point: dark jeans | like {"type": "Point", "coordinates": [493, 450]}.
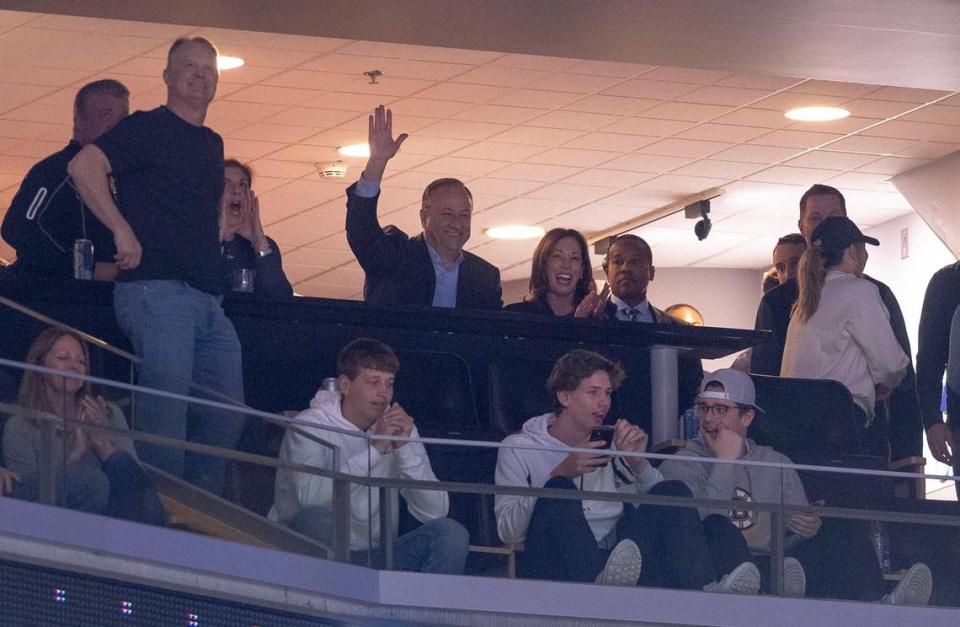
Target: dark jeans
{"type": "Point", "coordinates": [560, 545]}
{"type": "Point", "coordinates": [839, 561]}
{"type": "Point", "coordinates": [132, 495]}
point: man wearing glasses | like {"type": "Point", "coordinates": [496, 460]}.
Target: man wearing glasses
{"type": "Point", "coordinates": [835, 559]}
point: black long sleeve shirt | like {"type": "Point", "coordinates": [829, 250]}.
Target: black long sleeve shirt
{"type": "Point", "coordinates": [933, 343]}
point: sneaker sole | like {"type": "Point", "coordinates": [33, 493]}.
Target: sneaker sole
{"type": "Point", "coordinates": [794, 578]}
{"type": "Point", "coordinates": [915, 587]}
{"type": "Point", "coordinates": [623, 566]}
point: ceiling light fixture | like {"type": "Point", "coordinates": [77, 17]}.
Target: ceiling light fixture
{"type": "Point", "coordinates": [225, 62]}
{"type": "Point", "coordinates": [816, 114]}
{"type": "Point", "coordinates": [515, 231]}
{"type": "Point", "coordinates": [354, 150]}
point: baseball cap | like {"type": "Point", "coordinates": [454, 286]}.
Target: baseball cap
{"type": "Point", "coordinates": [737, 387]}
{"type": "Point", "coordinates": [838, 232]}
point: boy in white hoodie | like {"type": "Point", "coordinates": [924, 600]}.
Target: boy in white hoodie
{"type": "Point", "coordinates": [366, 370]}
{"type": "Point", "coordinates": [571, 540]}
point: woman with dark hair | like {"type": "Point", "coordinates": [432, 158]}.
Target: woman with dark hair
{"type": "Point", "coordinates": [840, 328]}
{"type": "Point", "coordinates": [243, 243]}
{"type": "Point", "coordinates": [560, 277]}
{"type": "Point", "coordinates": [96, 472]}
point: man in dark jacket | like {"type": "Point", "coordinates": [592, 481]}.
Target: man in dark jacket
{"type": "Point", "coordinates": [899, 416]}
{"type": "Point", "coordinates": [47, 215]}
{"type": "Point", "coordinates": [431, 268]}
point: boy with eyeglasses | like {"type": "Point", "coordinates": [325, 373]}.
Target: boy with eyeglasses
{"type": "Point", "coordinates": [835, 559]}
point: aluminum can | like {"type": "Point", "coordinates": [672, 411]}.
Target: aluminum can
{"type": "Point", "coordinates": [331, 384]}
{"type": "Point", "coordinates": [689, 424]}
{"type": "Point", "coordinates": [83, 259]}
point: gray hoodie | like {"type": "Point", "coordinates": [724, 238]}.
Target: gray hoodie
{"type": "Point", "coordinates": [735, 482]}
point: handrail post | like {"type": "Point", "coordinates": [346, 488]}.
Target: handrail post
{"type": "Point", "coordinates": [47, 481]}
{"type": "Point", "coordinates": [777, 531]}
{"type": "Point", "coordinates": [341, 519]}
{"type": "Point", "coordinates": [389, 503]}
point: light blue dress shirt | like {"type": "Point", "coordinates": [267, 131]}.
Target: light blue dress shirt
{"type": "Point", "coordinates": [644, 313]}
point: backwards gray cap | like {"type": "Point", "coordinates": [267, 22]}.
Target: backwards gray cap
{"type": "Point", "coordinates": [737, 387]}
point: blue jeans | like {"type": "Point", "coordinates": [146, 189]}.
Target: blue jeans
{"type": "Point", "coordinates": [182, 335]}
{"type": "Point", "coordinates": [436, 546]}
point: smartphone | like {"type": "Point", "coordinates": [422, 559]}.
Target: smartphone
{"type": "Point", "coordinates": [603, 433]}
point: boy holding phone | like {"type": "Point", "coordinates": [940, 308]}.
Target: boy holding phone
{"type": "Point", "coordinates": [601, 541]}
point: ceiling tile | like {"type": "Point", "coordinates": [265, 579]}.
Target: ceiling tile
{"type": "Point", "coordinates": [684, 148]}
{"type": "Point", "coordinates": [273, 95]}
{"type": "Point", "coordinates": [749, 80]}
{"type": "Point", "coordinates": [877, 109]}
{"type": "Point", "coordinates": [50, 77]}
{"type": "Point", "coordinates": [575, 83]}
{"type": "Point", "coordinates": [362, 103]}
{"type": "Point", "coordinates": [247, 150]}
{"type": "Point", "coordinates": [617, 142]}
{"type": "Point", "coordinates": [830, 160]}
{"type": "Point", "coordinates": [498, 150]}
{"type": "Point", "coordinates": [845, 126]}
{"type": "Point", "coordinates": [613, 179]}
{"type": "Point", "coordinates": [723, 133]}
{"type": "Point", "coordinates": [355, 65]}
{"type": "Point", "coordinates": [283, 133]}
{"type": "Point", "coordinates": [686, 75]}
{"type": "Point", "coordinates": [792, 176]}
{"type": "Point", "coordinates": [575, 193]}
{"type": "Point", "coordinates": [614, 105]}
{"type": "Point", "coordinates": [891, 166]}
{"type": "Point", "coordinates": [461, 129]}
{"type": "Point", "coordinates": [463, 92]}
{"type": "Point", "coordinates": [502, 187]}
{"type": "Point", "coordinates": [271, 40]}
{"type": "Point", "coordinates": [296, 198]}
{"type": "Point", "coordinates": [499, 75]}
{"type": "Point", "coordinates": [683, 185]}
{"type": "Point", "coordinates": [498, 114]}
{"type": "Point", "coordinates": [35, 149]}
{"type": "Point", "coordinates": [422, 53]}
{"type": "Point", "coordinates": [609, 68]}
{"type": "Point", "coordinates": [536, 172]}
{"type": "Point", "coordinates": [575, 120]}
{"type": "Point", "coordinates": [648, 126]}
{"type": "Point", "coordinates": [873, 145]}
{"type": "Point", "coordinates": [861, 180]}
{"type": "Point", "coordinates": [537, 97]}
{"type": "Point", "coordinates": [728, 96]}
{"type": "Point", "coordinates": [689, 112]}
{"type": "Point", "coordinates": [916, 130]}
{"type": "Point", "coordinates": [791, 100]}
{"type": "Point", "coordinates": [937, 114]}
{"type": "Point", "coordinates": [409, 179]}
{"type": "Point", "coordinates": [311, 117]}
{"type": "Point", "coordinates": [905, 94]}
{"type": "Point", "coordinates": [719, 169]}
{"type": "Point", "coordinates": [460, 167]}
{"type": "Point", "coordinates": [574, 157]}
{"type": "Point", "coordinates": [408, 124]}
{"type": "Point", "coordinates": [427, 108]}
{"type": "Point", "coordinates": [33, 130]}
{"type": "Point", "coordinates": [795, 139]}
{"type": "Point", "coordinates": [835, 88]}
{"type": "Point", "coordinates": [299, 78]}
{"type": "Point", "coordinates": [245, 111]}
{"type": "Point", "coordinates": [929, 150]}
{"type": "Point", "coordinates": [536, 136]}
{"type": "Point", "coordinates": [646, 88]}
{"type": "Point", "coordinates": [283, 169]}
{"type": "Point", "coordinates": [534, 62]}
{"type": "Point", "coordinates": [654, 164]}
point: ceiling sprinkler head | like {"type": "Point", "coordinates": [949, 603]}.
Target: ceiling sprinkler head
{"type": "Point", "coordinates": [373, 75]}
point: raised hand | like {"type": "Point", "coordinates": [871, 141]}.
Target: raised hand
{"type": "Point", "coordinates": [382, 144]}
{"type": "Point", "coordinates": [400, 421]}
{"type": "Point", "coordinates": [593, 304]}
{"type": "Point", "coordinates": [726, 444]}
{"type": "Point", "coordinates": [95, 411]}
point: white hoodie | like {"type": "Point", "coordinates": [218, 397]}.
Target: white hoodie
{"type": "Point", "coordinates": [298, 490]}
{"type": "Point", "coordinates": [531, 468]}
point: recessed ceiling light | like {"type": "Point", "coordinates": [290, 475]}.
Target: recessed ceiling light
{"type": "Point", "coordinates": [816, 114]}
{"type": "Point", "coordinates": [514, 231]}
{"type": "Point", "coordinates": [225, 62]}
{"type": "Point", "coordinates": [354, 150]}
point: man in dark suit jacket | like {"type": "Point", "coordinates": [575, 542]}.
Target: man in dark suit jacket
{"type": "Point", "coordinates": [629, 267]}
{"type": "Point", "coordinates": [903, 427]}
{"type": "Point", "coordinates": [431, 268]}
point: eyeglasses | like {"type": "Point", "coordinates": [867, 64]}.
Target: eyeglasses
{"type": "Point", "coordinates": [718, 410]}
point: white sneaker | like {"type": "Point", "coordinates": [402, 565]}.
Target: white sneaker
{"type": "Point", "coordinates": [794, 578]}
{"type": "Point", "coordinates": [623, 565]}
{"type": "Point", "coordinates": [914, 588]}
{"type": "Point", "coordinates": [744, 579]}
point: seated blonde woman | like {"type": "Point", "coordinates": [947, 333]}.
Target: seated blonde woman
{"type": "Point", "coordinates": [96, 472]}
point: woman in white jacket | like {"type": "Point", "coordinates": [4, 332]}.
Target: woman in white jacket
{"type": "Point", "coordinates": [572, 540]}
{"type": "Point", "coordinates": [840, 328]}
{"type": "Point", "coordinates": [363, 407]}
